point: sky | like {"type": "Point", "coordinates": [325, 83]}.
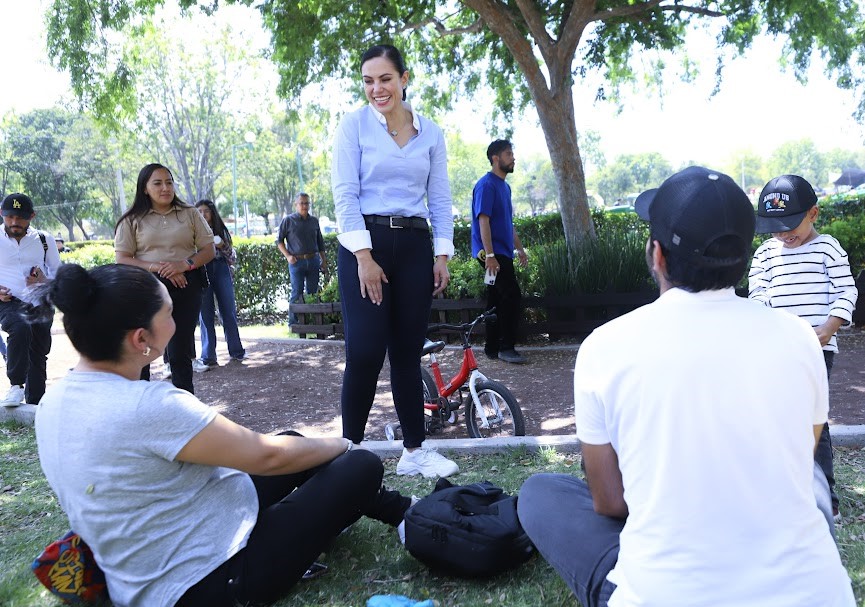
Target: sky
{"type": "Point", "coordinates": [758, 108]}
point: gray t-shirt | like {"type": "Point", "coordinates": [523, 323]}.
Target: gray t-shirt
{"type": "Point", "coordinates": [156, 526]}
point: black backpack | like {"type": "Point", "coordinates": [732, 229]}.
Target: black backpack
{"type": "Point", "coordinates": [467, 531]}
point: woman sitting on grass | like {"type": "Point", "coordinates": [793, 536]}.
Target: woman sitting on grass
{"type": "Point", "coordinates": [180, 505]}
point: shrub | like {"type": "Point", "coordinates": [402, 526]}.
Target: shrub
{"type": "Point", "coordinates": [533, 231]}
{"type": "Point", "coordinates": [596, 266]}
{"type": "Point", "coordinates": [261, 278]}
{"type": "Point", "coordinates": [92, 255]}
{"type": "Point", "coordinates": [851, 234]}
{"type": "Point", "coordinates": [467, 278]}
{"type": "Point", "coordinates": [614, 261]}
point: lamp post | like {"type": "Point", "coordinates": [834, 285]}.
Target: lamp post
{"type": "Point", "coordinates": [249, 139]}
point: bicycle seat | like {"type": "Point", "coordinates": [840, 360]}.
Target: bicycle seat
{"type": "Point", "coordinates": [430, 347]}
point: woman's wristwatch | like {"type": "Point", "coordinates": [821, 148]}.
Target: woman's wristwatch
{"type": "Point", "coordinates": [190, 263]}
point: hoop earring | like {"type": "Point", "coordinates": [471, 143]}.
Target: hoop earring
{"type": "Point", "coordinates": [146, 351]}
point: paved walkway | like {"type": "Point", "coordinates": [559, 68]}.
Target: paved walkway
{"type": "Point", "coordinates": [851, 436]}
{"type": "Point", "coordinates": [842, 436]}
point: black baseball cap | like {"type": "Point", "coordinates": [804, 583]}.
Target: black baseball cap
{"type": "Point", "coordinates": [783, 204]}
{"type": "Point", "coordinates": [17, 204]}
{"type": "Point", "coordinates": [694, 208]}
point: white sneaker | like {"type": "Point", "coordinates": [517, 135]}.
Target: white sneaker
{"type": "Point", "coordinates": [427, 462]}
{"type": "Point", "coordinates": [201, 367]}
{"type": "Point", "coordinates": [400, 530]}
{"type": "Point", "coordinates": [14, 397]}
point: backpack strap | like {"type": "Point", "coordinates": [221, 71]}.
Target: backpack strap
{"type": "Point", "coordinates": [477, 498]}
{"type": "Point", "coordinates": [44, 247]}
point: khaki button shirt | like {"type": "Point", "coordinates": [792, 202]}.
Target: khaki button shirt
{"type": "Point", "coordinates": [178, 235]}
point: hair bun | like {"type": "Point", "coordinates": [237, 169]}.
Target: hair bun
{"type": "Point", "coordinates": [73, 289]}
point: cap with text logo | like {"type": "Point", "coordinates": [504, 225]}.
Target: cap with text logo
{"type": "Point", "coordinates": [17, 204]}
{"type": "Point", "coordinates": [783, 204]}
{"type": "Point", "coordinates": [693, 209]}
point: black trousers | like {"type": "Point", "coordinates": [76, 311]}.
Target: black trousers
{"type": "Point", "coordinates": [506, 297]}
{"type": "Point", "coordinates": [299, 516]}
{"type": "Point", "coordinates": [396, 327]}
{"type": "Point", "coordinates": [181, 348]}
{"type": "Point", "coordinates": [26, 350]}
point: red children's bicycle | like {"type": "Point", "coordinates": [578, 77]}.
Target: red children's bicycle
{"type": "Point", "coordinates": [490, 408]}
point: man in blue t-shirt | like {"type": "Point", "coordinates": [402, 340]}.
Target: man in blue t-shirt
{"type": "Point", "coordinates": [494, 239]}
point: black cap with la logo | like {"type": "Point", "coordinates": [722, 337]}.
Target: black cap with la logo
{"type": "Point", "coordinates": [17, 204]}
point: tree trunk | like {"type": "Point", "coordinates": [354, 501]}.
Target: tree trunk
{"type": "Point", "coordinates": [80, 223]}
{"type": "Point", "coordinates": [556, 113]}
{"type": "Point", "coordinates": [266, 218]}
{"type": "Point", "coordinates": [552, 95]}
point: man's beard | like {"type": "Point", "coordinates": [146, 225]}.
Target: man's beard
{"type": "Point", "coordinates": [19, 231]}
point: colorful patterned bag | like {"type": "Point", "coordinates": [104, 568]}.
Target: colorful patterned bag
{"type": "Point", "coordinates": [69, 570]}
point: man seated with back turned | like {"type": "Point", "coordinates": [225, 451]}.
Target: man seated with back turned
{"type": "Point", "coordinates": [698, 452]}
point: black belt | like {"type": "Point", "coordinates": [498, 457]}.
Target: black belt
{"type": "Point", "coordinates": [418, 223]}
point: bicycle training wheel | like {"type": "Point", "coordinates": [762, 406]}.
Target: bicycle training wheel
{"type": "Point", "coordinates": [504, 416]}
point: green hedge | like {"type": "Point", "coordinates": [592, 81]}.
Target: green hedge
{"type": "Point", "coordinates": [613, 262]}
{"type": "Point", "coordinates": [843, 216]}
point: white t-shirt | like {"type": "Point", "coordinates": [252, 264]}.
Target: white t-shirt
{"type": "Point", "coordinates": [156, 526]}
{"type": "Point", "coordinates": [709, 402]}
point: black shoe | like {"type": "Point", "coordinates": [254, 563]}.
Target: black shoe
{"type": "Point", "coordinates": [512, 356]}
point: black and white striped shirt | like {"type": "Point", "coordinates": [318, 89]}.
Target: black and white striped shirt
{"type": "Point", "coordinates": [812, 281]}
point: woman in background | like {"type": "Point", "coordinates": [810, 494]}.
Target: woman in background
{"type": "Point", "coordinates": [162, 234]}
{"type": "Point", "coordinates": [220, 273]}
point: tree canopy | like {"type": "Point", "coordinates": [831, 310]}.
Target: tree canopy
{"type": "Point", "coordinates": [524, 51]}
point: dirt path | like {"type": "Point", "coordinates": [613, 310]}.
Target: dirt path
{"type": "Point", "coordinates": [297, 386]}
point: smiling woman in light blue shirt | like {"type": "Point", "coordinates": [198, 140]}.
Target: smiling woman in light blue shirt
{"type": "Point", "coordinates": [390, 183]}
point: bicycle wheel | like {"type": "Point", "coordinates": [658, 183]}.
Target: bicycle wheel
{"type": "Point", "coordinates": [504, 416]}
{"type": "Point", "coordinates": [430, 391]}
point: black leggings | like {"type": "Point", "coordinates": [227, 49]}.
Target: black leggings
{"type": "Point", "coordinates": [299, 516]}
{"type": "Point", "coordinates": [396, 327]}
{"type": "Point", "coordinates": [181, 348]}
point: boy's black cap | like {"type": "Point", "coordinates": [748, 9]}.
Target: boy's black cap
{"type": "Point", "coordinates": [783, 203]}
{"type": "Point", "coordinates": [17, 204]}
{"type": "Point", "coordinates": [695, 207]}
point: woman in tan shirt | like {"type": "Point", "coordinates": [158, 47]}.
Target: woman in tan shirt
{"type": "Point", "coordinates": [165, 236]}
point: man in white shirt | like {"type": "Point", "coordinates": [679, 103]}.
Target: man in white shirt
{"type": "Point", "coordinates": [26, 259]}
{"type": "Point", "coordinates": [701, 488]}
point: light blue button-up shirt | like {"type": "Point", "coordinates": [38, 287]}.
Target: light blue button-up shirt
{"type": "Point", "coordinates": [372, 175]}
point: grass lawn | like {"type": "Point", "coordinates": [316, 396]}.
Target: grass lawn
{"type": "Point", "coordinates": [369, 560]}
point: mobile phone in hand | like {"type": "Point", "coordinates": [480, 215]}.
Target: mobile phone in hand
{"type": "Point", "coordinates": [315, 570]}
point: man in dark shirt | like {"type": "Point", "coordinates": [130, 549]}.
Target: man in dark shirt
{"type": "Point", "coordinates": [302, 244]}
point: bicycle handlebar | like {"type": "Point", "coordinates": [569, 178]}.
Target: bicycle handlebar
{"type": "Point", "coordinates": [462, 328]}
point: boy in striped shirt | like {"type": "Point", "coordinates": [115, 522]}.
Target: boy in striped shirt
{"type": "Point", "coordinates": [805, 273]}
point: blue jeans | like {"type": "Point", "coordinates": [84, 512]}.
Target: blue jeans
{"type": "Point", "coordinates": [222, 287]}
{"type": "Point", "coordinates": [557, 513]}
{"type": "Point", "coordinates": [303, 271]}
